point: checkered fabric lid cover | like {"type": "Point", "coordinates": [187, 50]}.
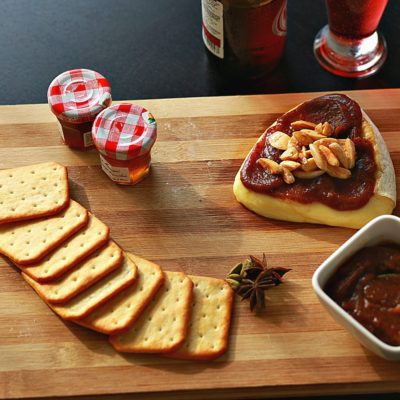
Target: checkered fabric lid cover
{"type": "Point", "coordinates": [124, 131]}
{"type": "Point", "coordinates": [78, 95]}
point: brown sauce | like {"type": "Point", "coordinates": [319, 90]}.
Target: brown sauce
{"type": "Point", "coordinates": [367, 287]}
{"type": "Point", "coordinates": [345, 117]}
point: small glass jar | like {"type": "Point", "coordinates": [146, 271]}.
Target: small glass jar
{"type": "Point", "coordinates": [124, 135]}
{"type": "Point", "coordinates": [76, 97]}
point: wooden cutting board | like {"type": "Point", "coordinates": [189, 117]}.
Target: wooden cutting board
{"type": "Point", "coordinates": [184, 217]}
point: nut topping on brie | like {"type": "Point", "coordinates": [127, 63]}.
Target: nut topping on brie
{"type": "Point", "coordinates": [303, 125]}
{"type": "Point", "coordinates": [310, 152]}
{"type": "Point", "coordinates": [270, 165]}
{"type": "Point", "coordinates": [279, 140]}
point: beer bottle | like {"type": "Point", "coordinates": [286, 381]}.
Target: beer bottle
{"type": "Point", "coordinates": [245, 38]}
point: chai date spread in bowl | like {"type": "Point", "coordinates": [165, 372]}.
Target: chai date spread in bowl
{"type": "Point", "coordinates": [367, 286]}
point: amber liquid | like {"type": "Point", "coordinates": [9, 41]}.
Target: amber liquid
{"type": "Point", "coordinates": [354, 19]}
{"type": "Point", "coordinates": [138, 167]}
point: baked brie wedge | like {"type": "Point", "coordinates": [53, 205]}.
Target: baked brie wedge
{"type": "Point", "coordinates": [323, 162]}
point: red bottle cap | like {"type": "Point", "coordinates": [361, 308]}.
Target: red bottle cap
{"type": "Point", "coordinates": [78, 95]}
{"type": "Point", "coordinates": [124, 131]}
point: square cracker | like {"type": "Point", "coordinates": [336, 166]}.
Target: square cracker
{"type": "Point", "coordinates": [72, 251]}
{"type": "Point", "coordinates": [27, 242]}
{"type": "Point", "coordinates": [121, 312]}
{"type": "Point", "coordinates": [209, 322]}
{"type": "Point", "coordinates": [99, 293]}
{"type": "Point", "coordinates": [83, 275]}
{"type": "Point", "coordinates": [32, 191]}
{"type": "Point", "coordinates": [163, 325]}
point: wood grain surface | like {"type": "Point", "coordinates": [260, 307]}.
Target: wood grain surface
{"type": "Point", "coordinates": [184, 217]}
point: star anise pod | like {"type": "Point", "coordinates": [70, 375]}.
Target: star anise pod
{"type": "Point", "coordinates": [251, 278]}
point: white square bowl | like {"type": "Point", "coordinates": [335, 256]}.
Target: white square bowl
{"type": "Point", "coordinates": [382, 229]}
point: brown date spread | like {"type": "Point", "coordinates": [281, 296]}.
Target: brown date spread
{"type": "Point", "coordinates": [367, 287]}
{"type": "Point", "coordinates": [345, 117]}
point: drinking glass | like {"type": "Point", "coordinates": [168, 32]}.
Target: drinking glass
{"type": "Point", "coordinates": [350, 44]}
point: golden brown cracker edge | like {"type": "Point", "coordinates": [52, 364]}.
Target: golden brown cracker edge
{"type": "Point", "coordinates": [91, 270]}
{"type": "Point", "coordinates": [19, 230]}
{"type": "Point", "coordinates": [211, 354]}
{"type": "Point", "coordinates": [32, 213]}
{"type": "Point", "coordinates": [173, 345]}
{"type": "Point", "coordinates": [45, 271]}
{"type": "Point", "coordinates": [98, 321]}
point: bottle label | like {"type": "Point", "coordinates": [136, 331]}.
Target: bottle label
{"type": "Point", "coordinates": [213, 26]}
{"type": "Point", "coordinates": [116, 174]}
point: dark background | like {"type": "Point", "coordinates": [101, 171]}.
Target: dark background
{"type": "Point", "coordinates": [154, 49]}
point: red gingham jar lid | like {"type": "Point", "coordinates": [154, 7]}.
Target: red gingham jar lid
{"type": "Point", "coordinates": [124, 131]}
{"type": "Point", "coordinates": [78, 95]}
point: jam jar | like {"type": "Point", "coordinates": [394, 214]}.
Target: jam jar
{"type": "Point", "coordinates": [76, 97]}
{"type": "Point", "coordinates": [124, 135]}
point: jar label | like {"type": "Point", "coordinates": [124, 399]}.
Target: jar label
{"type": "Point", "coordinates": [213, 26]}
{"type": "Point", "coordinates": [87, 139]}
{"type": "Point", "coordinates": [116, 174]}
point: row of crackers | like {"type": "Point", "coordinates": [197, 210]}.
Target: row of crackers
{"type": "Point", "coordinates": [65, 253]}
